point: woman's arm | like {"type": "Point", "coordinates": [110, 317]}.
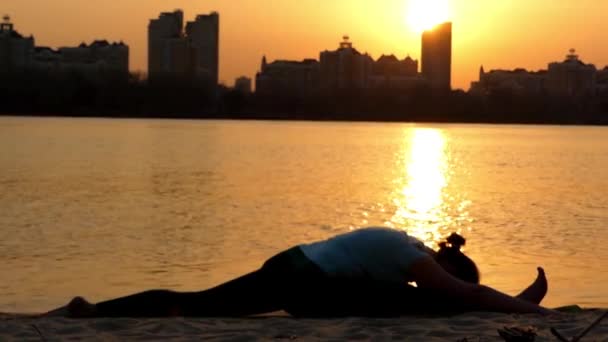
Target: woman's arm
{"type": "Point", "coordinates": [428, 274]}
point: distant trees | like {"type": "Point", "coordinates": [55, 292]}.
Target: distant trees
{"type": "Point", "coordinates": [114, 95]}
{"type": "Point", "coordinates": [110, 94]}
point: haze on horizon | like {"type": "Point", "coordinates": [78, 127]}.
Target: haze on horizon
{"type": "Point", "coordinates": [495, 34]}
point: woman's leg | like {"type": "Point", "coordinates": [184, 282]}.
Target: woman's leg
{"type": "Point", "coordinates": [250, 294]}
{"type": "Point", "coordinates": [153, 303]}
{"type": "Point", "coordinates": [265, 290]}
{"type": "Point", "coordinates": [255, 293]}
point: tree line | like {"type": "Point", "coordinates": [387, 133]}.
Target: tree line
{"type": "Point", "coordinates": [133, 96]}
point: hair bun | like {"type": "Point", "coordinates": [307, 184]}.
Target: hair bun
{"type": "Point", "coordinates": [456, 241]}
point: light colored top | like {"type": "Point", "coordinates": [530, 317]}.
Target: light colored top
{"type": "Point", "coordinates": [376, 253]}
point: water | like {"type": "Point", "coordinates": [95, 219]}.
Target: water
{"type": "Point", "coordinates": [102, 208]}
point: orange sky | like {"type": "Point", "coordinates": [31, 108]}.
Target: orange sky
{"type": "Point", "coordinates": [495, 33]}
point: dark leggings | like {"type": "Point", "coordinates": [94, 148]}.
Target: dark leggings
{"type": "Point", "coordinates": [287, 281]}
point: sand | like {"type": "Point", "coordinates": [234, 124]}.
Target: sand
{"type": "Point", "coordinates": [472, 327]}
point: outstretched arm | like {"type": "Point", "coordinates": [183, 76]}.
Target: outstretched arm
{"type": "Point", "coordinates": [428, 274]}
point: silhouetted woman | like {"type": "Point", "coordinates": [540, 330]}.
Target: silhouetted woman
{"type": "Point", "coordinates": [362, 273]}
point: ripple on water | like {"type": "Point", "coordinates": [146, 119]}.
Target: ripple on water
{"type": "Point", "coordinates": [190, 204]}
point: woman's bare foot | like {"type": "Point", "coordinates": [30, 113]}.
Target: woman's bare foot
{"type": "Point", "coordinates": [81, 308]}
{"type": "Point", "coordinates": [537, 291]}
{"type": "Point", "coordinates": [77, 308]}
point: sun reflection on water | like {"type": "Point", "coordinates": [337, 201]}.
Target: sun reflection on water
{"type": "Point", "coordinates": [420, 199]}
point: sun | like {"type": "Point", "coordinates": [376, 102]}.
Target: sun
{"type": "Point", "coordinates": [423, 15]}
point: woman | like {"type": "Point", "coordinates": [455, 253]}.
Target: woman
{"type": "Point", "coordinates": [362, 273]}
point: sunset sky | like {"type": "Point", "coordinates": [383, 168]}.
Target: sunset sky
{"type": "Point", "coordinates": [496, 33]}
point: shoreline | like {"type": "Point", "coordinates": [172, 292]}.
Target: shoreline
{"type": "Point", "coordinates": [271, 118]}
{"type": "Point", "coordinates": [480, 326]}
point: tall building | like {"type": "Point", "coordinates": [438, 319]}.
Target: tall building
{"type": "Point", "coordinates": [284, 77]}
{"type": "Point", "coordinates": [389, 65]}
{"type": "Point", "coordinates": [16, 51]}
{"type": "Point", "coordinates": [204, 36]}
{"type": "Point", "coordinates": [100, 55]}
{"type": "Point", "coordinates": [518, 81]}
{"type": "Point", "coordinates": [191, 53]}
{"type": "Point", "coordinates": [437, 56]}
{"type": "Point", "coordinates": [243, 85]}
{"type": "Point", "coordinates": [391, 73]}
{"type": "Point", "coordinates": [602, 81]}
{"type": "Point", "coordinates": [567, 79]}
{"type": "Point", "coordinates": [571, 77]}
{"type": "Point", "coordinates": [342, 69]}
{"type": "Point", "coordinates": [167, 45]}
{"type": "Point", "coordinates": [345, 68]}
{"type": "Point", "coordinates": [95, 62]}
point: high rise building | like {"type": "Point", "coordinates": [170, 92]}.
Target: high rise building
{"type": "Point", "coordinates": [437, 56]}
{"type": "Point", "coordinates": [95, 62]}
{"type": "Point", "coordinates": [567, 79]}
{"type": "Point", "coordinates": [192, 53]}
{"type": "Point", "coordinates": [345, 68]}
{"type": "Point", "coordinates": [243, 85]}
{"type": "Point", "coordinates": [204, 36]}
{"type": "Point", "coordinates": [16, 51]}
{"type": "Point", "coordinates": [165, 37]}
{"type": "Point", "coordinates": [100, 55]}
{"type": "Point", "coordinates": [517, 82]}
{"type": "Point", "coordinates": [392, 73]}
{"type": "Point", "coordinates": [283, 77]}
{"type": "Point", "coordinates": [602, 82]}
{"type": "Point", "coordinates": [571, 78]}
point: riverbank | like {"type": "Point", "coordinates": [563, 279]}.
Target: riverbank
{"type": "Point", "coordinates": [286, 117]}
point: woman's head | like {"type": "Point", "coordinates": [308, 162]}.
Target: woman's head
{"type": "Point", "coordinates": [454, 261]}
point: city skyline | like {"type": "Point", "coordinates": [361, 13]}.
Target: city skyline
{"type": "Point", "coordinates": [494, 35]}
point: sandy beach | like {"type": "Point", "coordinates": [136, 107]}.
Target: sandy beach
{"type": "Point", "coordinates": [469, 327]}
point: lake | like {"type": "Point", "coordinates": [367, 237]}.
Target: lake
{"type": "Point", "coordinates": [105, 207]}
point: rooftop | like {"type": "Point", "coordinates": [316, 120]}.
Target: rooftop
{"type": "Point", "coordinates": [388, 58]}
